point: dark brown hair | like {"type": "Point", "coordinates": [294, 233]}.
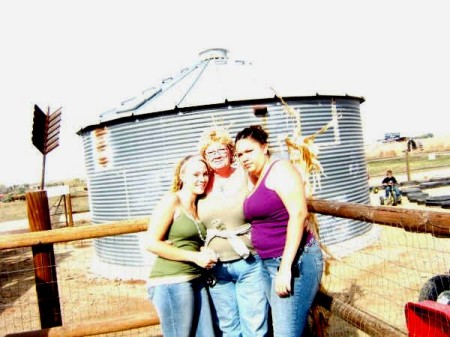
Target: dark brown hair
{"type": "Point", "coordinates": [255, 132]}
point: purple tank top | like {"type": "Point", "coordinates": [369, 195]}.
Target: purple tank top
{"type": "Point", "coordinates": [269, 218]}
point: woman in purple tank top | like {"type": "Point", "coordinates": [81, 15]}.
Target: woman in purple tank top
{"type": "Point", "coordinates": [277, 211]}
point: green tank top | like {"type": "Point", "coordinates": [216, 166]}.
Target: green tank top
{"type": "Point", "coordinates": [183, 234]}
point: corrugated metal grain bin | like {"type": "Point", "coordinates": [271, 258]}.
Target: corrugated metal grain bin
{"type": "Point", "coordinates": [130, 154]}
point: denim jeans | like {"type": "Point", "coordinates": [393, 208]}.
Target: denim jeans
{"type": "Point", "coordinates": [239, 299]}
{"type": "Point", "coordinates": [183, 309]}
{"type": "Point", "coordinates": [387, 190]}
{"type": "Point", "coordinates": [289, 314]}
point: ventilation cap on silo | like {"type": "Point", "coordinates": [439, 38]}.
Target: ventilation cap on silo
{"type": "Point", "coordinates": [213, 53]}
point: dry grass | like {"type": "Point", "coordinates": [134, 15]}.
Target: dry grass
{"type": "Point", "coordinates": [396, 149]}
{"type": "Point", "coordinates": [17, 210]}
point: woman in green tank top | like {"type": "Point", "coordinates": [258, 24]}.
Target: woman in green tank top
{"type": "Point", "coordinates": [175, 235]}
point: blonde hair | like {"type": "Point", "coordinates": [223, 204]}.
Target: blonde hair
{"type": "Point", "coordinates": [216, 134]}
{"type": "Point", "coordinates": [177, 183]}
{"type": "Point", "coordinates": [304, 155]}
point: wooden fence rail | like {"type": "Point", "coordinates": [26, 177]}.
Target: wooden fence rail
{"type": "Point", "coordinates": [433, 222]}
{"type": "Point", "coordinates": [419, 221]}
{"type": "Point", "coordinates": [94, 327]}
{"type": "Point", "coordinates": [68, 234]}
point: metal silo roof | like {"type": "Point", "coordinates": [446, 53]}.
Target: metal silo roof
{"type": "Point", "coordinates": [213, 79]}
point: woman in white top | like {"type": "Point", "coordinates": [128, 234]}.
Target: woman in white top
{"type": "Point", "coordinates": [238, 298]}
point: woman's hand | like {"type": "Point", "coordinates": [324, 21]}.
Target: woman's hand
{"type": "Point", "coordinates": [283, 283]}
{"type": "Point", "coordinates": [205, 258]}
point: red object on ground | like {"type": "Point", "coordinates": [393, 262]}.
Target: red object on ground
{"type": "Point", "coordinates": [427, 319]}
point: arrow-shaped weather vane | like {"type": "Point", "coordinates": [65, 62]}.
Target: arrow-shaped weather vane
{"type": "Point", "coordinates": [45, 133]}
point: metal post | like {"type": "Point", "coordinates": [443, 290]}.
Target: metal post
{"type": "Point", "coordinates": [408, 172]}
{"type": "Point", "coordinates": [44, 153]}
{"type": "Point", "coordinates": [43, 173]}
{"type": "Point", "coordinates": [65, 208]}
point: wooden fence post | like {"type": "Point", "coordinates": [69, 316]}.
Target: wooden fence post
{"type": "Point", "coordinates": [44, 261]}
{"type": "Point", "coordinates": [69, 209]}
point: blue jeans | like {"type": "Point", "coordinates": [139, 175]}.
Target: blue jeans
{"type": "Point", "coordinates": [183, 309]}
{"type": "Point", "coordinates": [290, 314]}
{"type": "Point", "coordinates": [388, 188]}
{"type": "Point", "coordinates": [239, 299]}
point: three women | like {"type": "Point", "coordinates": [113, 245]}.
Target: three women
{"type": "Point", "coordinates": [287, 262]}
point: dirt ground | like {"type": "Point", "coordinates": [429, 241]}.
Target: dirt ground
{"type": "Point", "coordinates": [364, 279]}
{"type": "Point", "coordinates": [83, 295]}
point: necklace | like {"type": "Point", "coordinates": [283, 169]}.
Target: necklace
{"type": "Point", "coordinates": [220, 185]}
{"type": "Point", "coordinates": [223, 182]}
{"type": "Point", "coordinates": [183, 202]}
{"type": "Point", "coordinates": [199, 231]}
{"type": "Point", "coordinates": [196, 222]}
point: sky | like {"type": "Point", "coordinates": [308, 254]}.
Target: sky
{"type": "Point", "coordinates": [86, 57]}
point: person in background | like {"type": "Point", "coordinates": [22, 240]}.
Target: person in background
{"type": "Point", "coordinates": [276, 208]}
{"type": "Point", "coordinates": [239, 300]}
{"type": "Point", "coordinates": [390, 183]}
{"type": "Point", "coordinates": [175, 235]}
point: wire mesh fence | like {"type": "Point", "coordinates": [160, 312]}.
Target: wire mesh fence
{"type": "Point", "coordinates": [380, 279]}
{"type": "Point", "coordinates": [372, 284]}
{"type": "Point", "coordinates": [83, 296]}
